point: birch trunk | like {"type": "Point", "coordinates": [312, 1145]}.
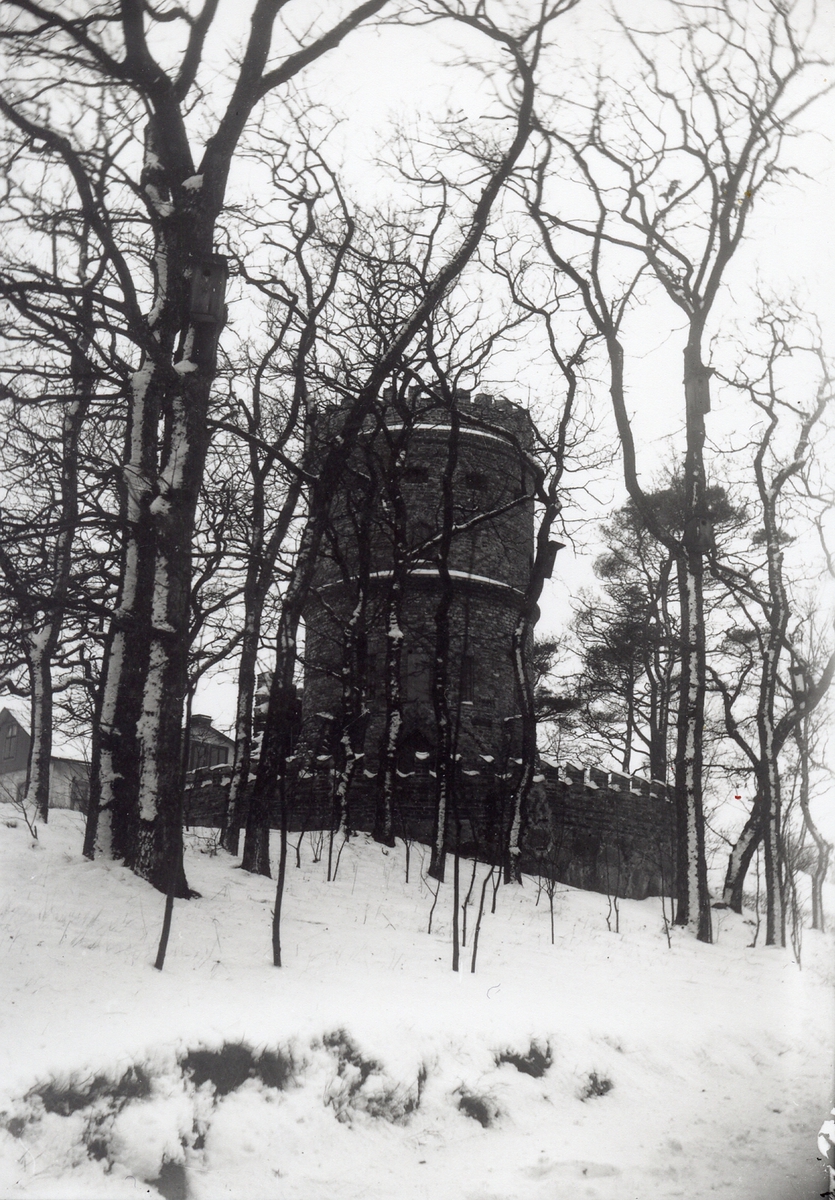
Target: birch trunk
{"type": "Point", "coordinates": [741, 855]}
{"type": "Point", "coordinates": [41, 646]}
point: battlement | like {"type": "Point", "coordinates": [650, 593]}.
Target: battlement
{"type": "Point", "coordinates": [590, 828]}
{"type": "Point", "coordinates": [476, 410]}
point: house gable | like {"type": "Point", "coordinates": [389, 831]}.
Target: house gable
{"type": "Point", "coordinates": [14, 743]}
{"type": "Point", "coordinates": [208, 747]}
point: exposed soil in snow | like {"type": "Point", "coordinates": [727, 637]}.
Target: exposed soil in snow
{"type": "Point", "coordinates": [608, 1065]}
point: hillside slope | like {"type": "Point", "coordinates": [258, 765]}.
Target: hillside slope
{"type": "Point", "coordinates": [608, 1065]}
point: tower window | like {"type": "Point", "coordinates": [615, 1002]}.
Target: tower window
{"type": "Point", "coordinates": [372, 682]}
{"type": "Point", "coordinates": [418, 677]}
{"type": "Point", "coordinates": [476, 480]}
{"type": "Point", "coordinates": [416, 473]}
{"type": "Point", "coordinates": [467, 679]}
{"type": "Point", "coordinates": [422, 532]}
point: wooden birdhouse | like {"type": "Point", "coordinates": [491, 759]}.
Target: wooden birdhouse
{"type": "Point", "coordinates": [208, 290]}
{"type": "Point", "coordinates": [698, 535]}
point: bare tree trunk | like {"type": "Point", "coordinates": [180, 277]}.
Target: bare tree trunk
{"type": "Point", "coordinates": [773, 855]}
{"type": "Point", "coordinates": [114, 773]}
{"type": "Point", "coordinates": [823, 849]}
{"type": "Point", "coordinates": [630, 721]}
{"type": "Point", "coordinates": [41, 646]}
{"type": "Point", "coordinates": [693, 907]}
{"type": "Point", "coordinates": [43, 641]}
{"type": "Point", "coordinates": [354, 709]}
{"type": "Point", "coordinates": [741, 854]}
{"type": "Point", "coordinates": [276, 740]}
{"type": "Point", "coordinates": [547, 492]}
{"type": "Point", "coordinates": [258, 582]}
{"type": "Point", "coordinates": [693, 901]}
{"type": "Point", "coordinates": [456, 899]}
{"type": "Point", "coordinates": [242, 760]}
{"type": "Point", "coordinates": [824, 853]}
{"type": "Point", "coordinates": [658, 668]}
{"type": "Point", "coordinates": [390, 743]}
{"type": "Point", "coordinates": [659, 717]}
{"type": "Point", "coordinates": [383, 822]}
{"type": "Point", "coordinates": [522, 635]}
{"type": "Point", "coordinates": [282, 873]}
{"type": "Point", "coordinates": [487, 878]}
{"type": "Point", "coordinates": [444, 739]}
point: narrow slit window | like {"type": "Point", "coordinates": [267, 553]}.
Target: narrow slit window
{"type": "Point", "coordinates": [10, 742]}
{"type": "Point", "coordinates": [476, 480]}
{"type": "Point", "coordinates": [418, 677]}
{"type": "Point", "coordinates": [371, 680]}
{"type": "Point", "coordinates": [467, 679]}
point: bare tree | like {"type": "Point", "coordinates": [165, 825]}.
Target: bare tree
{"type": "Point", "coordinates": [51, 372]}
{"type": "Point", "coordinates": [548, 492]}
{"type": "Point", "coordinates": [788, 447]}
{"type": "Point", "coordinates": [673, 169]}
{"type": "Point", "coordinates": [627, 636]}
{"type": "Point", "coordinates": [307, 244]}
{"type": "Point", "coordinates": [523, 48]}
{"type": "Point", "coordinates": [171, 307]}
{"type": "Point", "coordinates": [808, 736]}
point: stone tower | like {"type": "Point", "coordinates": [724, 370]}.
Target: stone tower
{"type": "Point", "coordinates": [584, 826]}
{"type": "Point", "coordinates": [394, 495]}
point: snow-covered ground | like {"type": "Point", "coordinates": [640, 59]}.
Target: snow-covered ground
{"type": "Point", "coordinates": [365, 1068]}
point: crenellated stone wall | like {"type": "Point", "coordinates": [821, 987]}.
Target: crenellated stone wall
{"type": "Point", "coordinates": [592, 829]}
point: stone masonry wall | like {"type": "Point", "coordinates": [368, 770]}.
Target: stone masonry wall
{"type": "Point", "coordinates": [489, 561]}
{"type": "Point", "coordinates": [591, 829]}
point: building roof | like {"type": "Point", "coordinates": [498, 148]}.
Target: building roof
{"type": "Point", "coordinates": [73, 749]}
